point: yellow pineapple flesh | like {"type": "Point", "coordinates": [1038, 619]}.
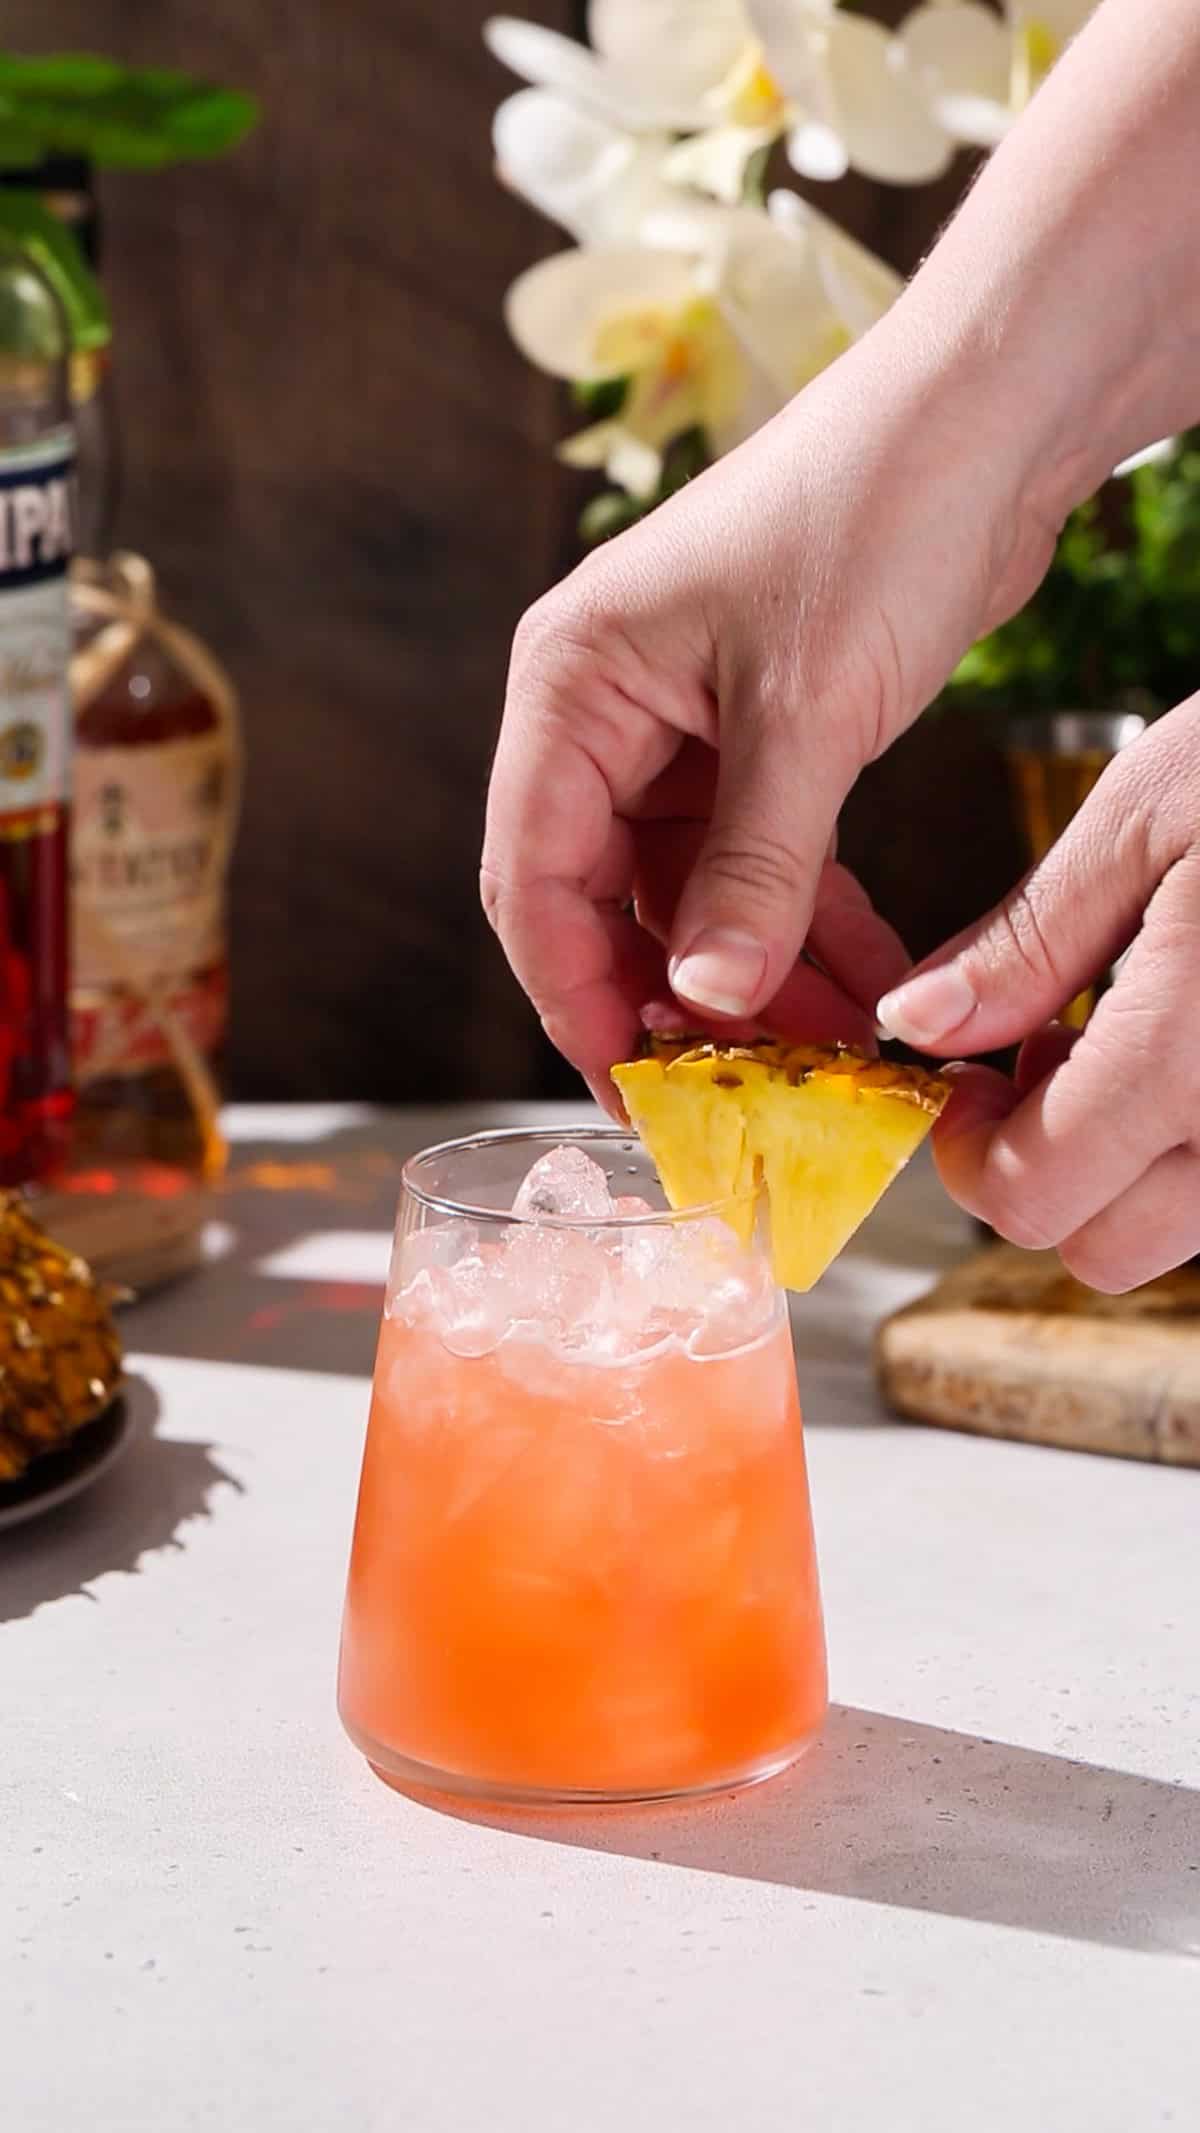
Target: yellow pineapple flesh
{"type": "Point", "coordinates": [823, 1128]}
{"type": "Point", "coordinates": [60, 1357]}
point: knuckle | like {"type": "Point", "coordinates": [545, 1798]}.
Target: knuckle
{"type": "Point", "coordinates": [1020, 937]}
{"type": "Point", "coordinates": [491, 895]}
{"type": "Point", "coordinates": [573, 667]}
{"type": "Point", "coordinates": [540, 633]}
{"type": "Point", "coordinates": [1172, 933]}
{"type": "Point", "coordinates": [1152, 785]}
{"type": "Point", "coordinates": [1015, 1210]}
{"type": "Point", "coordinates": [1033, 1232]}
{"type": "Point", "coordinates": [1097, 1264]}
{"type": "Point", "coordinates": [764, 865]}
{"type": "Point", "coordinates": [575, 621]}
{"type": "Point", "coordinates": [1135, 1034]}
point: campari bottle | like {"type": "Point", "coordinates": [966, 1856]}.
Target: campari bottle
{"type": "Point", "coordinates": [36, 507]}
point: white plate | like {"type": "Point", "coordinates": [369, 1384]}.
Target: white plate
{"type": "Point", "coordinates": [57, 1476]}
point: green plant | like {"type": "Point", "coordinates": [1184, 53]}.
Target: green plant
{"type": "Point", "coordinates": [85, 105]}
{"type": "Point", "coordinates": [1115, 624]}
{"type": "Point", "coordinates": [118, 117]}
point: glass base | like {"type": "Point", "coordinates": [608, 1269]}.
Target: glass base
{"type": "Point", "coordinates": [422, 1781]}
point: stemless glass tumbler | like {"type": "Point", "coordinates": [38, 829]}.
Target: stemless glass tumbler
{"type": "Point", "coordinates": [583, 1563]}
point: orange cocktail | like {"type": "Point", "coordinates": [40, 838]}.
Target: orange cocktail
{"type": "Point", "coordinates": [583, 1559]}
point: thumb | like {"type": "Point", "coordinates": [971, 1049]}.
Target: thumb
{"type": "Point", "coordinates": [1016, 969]}
{"type": "Point", "coordinates": [746, 907]}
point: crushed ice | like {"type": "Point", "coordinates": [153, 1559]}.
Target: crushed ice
{"type": "Point", "coordinates": [588, 1293]}
{"type": "Point", "coordinates": [565, 1182]}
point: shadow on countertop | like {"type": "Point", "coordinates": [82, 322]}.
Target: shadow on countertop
{"type": "Point", "coordinates": [137, 1508]}
{"type": "Point", "coordinates": [301, 1236]}
{"type": "Point", "coordinates": [886, 1811]}
{"type": "Point", "coordinates": [299, 1242]}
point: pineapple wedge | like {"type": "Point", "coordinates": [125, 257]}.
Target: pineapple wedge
{"type": "Point", "coordinates": [824, 1129]}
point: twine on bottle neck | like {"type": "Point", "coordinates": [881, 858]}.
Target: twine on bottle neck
{"type": "Point", "coordinates": [122, 595]}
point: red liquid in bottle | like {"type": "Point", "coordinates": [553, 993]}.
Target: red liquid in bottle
{"type": "Point", "coordinates": [36, 516]}
{"type": "Point", "coordinates": [35, 1066]}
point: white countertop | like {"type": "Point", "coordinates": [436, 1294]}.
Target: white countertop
{"type": "Point", "coordinates": [975, 1908]}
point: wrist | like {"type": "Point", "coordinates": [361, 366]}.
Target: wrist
{"type": "Point", "coordinates": [1062, 305]}
{"type": "Point", "coordinates": [1049, 391]}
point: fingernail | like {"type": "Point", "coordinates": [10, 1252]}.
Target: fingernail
{"type": "Point", "coordinates": [923, 1010]}
{"type": "Point", "coordinates": [722, 970]}
{"type": "Point", "coordinates": [663, 1018]}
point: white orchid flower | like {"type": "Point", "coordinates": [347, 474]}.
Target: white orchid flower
{"type": "Point", "coordinates": [733, 76]}
{"type": "Point", "coordinates": [978, 70]}
{"type": "Point", "coordinates": [598, 181]}
{"type": "Point", "coordinates": [714, 329]}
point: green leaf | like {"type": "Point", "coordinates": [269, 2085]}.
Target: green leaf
{"type": "Point", "coordinates": [81, 103]}
{"type": "Point", "coordinates": [600, 398]}
{"type": "Point", "coordinates": [686, 456]}
{"type": "Point", "coordinates": [754, 181]}
{"type": "Point", "coordinates": [76, 74]}
{"type": "Point", "coordinates": [53, 248]}
{"type": "Point", "coordinates": [608, 515]}
{"type": "Point", "coordinates": [20, 148]}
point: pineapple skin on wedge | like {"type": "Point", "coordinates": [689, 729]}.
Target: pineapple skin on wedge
{"type": "Point", "coordinates": [823, 1128]}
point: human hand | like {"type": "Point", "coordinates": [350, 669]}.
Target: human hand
{"type": "Point", "coordinates": [687, 712]}
{"type": "Point", "coordinates": [1095, 1147]}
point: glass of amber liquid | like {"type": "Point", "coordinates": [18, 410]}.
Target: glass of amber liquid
{"type": "Point", "coordinates": [583, 1565]}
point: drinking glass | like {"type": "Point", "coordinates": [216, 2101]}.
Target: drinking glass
{"type": "Point", "coordinates": [583, 1564]}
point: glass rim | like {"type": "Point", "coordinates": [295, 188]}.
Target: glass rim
{"type": "Point", "coordinates": [560, 1137]}
{"type": "Point", "coordinates": [1072, 733]}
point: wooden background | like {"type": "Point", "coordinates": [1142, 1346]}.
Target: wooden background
{"type": "Point", "coordinates": [343, 474]}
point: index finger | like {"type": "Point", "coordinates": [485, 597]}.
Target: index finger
{"type": "Point", "coordinates": [558, 861]}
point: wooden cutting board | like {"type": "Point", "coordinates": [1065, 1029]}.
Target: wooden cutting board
{"type": "Point", "coordinates": [1010, 1345]}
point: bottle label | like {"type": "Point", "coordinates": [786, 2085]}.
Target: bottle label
{"type": "Point", "coordinates": [150, 842]}
{"type": "Point", "coordinates": [116, 1032]}
{"type": "Point", "coordinates": [36, 514]}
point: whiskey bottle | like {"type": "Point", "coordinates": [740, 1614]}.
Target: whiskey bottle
{"type": "Point", "coordinates": [157, 774]}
